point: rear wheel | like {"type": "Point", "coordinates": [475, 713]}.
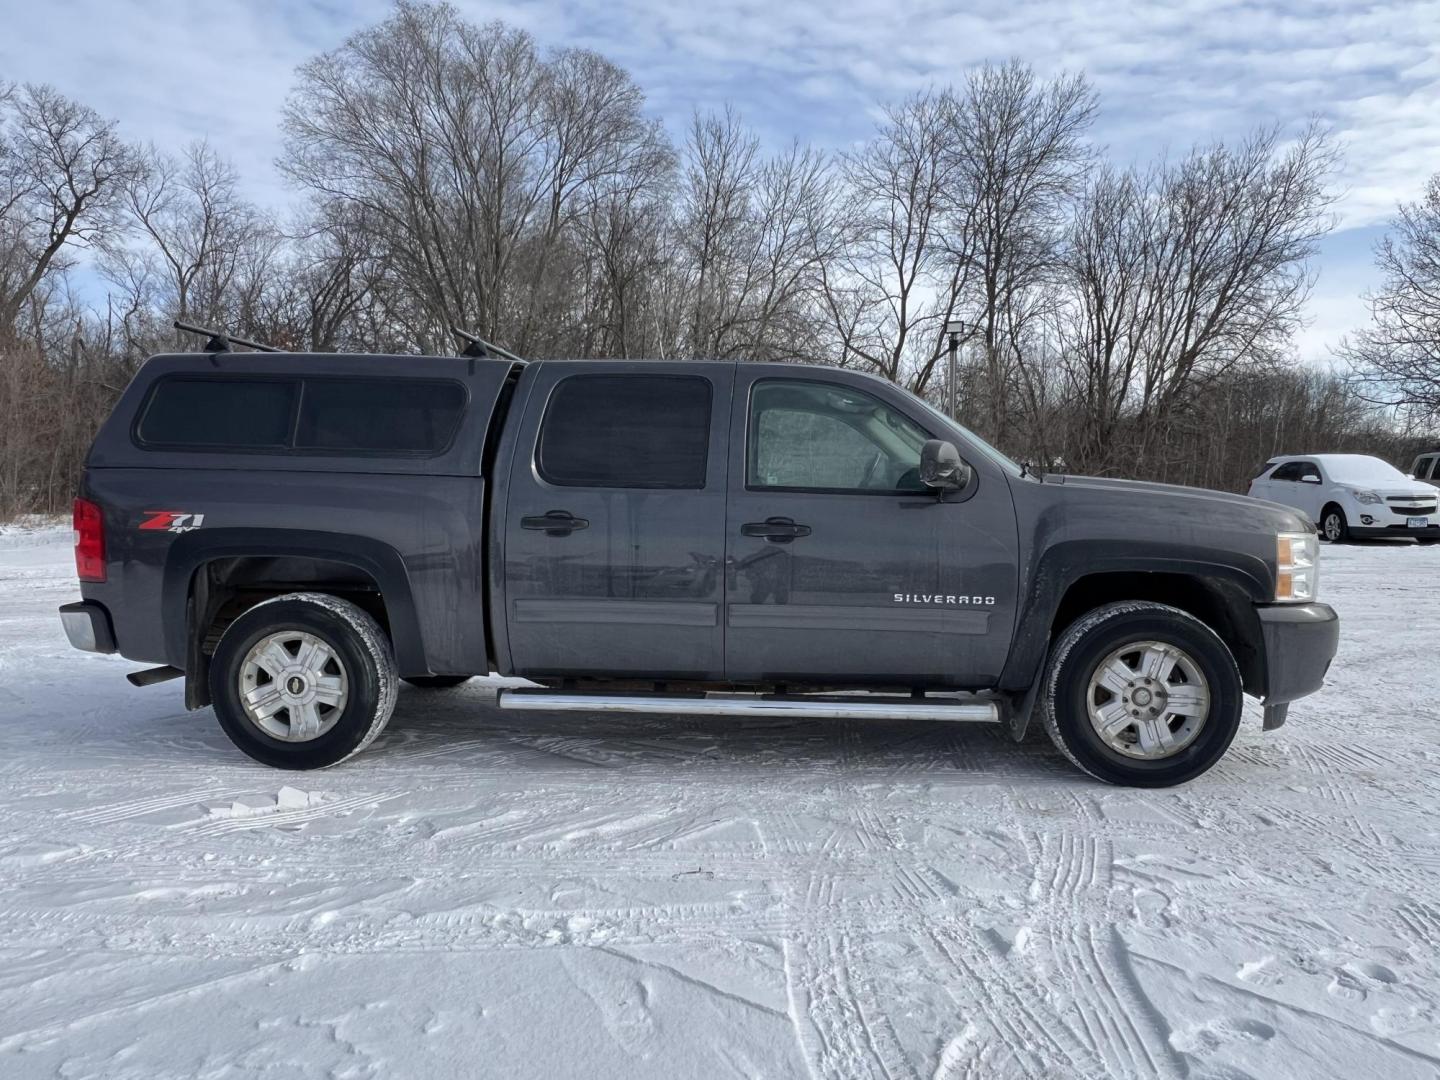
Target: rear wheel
{"type": "Point", "coordinates": [1141, 694]}
{"type": "Point", "coordinates": [435, 682]}
{"type": "Point", "coordinates": [1333, 525]}
{"type": "Point", "coordinates": [303, 681]}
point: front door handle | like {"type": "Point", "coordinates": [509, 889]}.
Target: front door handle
{"type": "Point", "coordinates": [554, 523]}
{"type": "Point", "coordinates": [778, 530]}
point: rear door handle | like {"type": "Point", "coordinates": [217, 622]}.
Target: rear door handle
{"type": "Point", "coordinates": [554, 523]}
{"type": "Point", "coordinates": [778, 530]}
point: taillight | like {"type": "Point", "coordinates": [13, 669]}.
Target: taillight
{"type": "Point", "coordinates": [89, 541]}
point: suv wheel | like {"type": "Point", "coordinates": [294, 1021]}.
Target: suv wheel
{"type": "Point", "coordinates": [1141, 694]}
{"type": "Point", "coordinates": [1333, 526]}
{"type": "Point", "coordinates": [303, 681]}
{"type": "Point", "coordinates": [435, 682]}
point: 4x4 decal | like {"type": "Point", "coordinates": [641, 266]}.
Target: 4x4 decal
{"type": "Point", "coordinates": [171, 521]}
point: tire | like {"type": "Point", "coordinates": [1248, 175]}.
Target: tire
{"type": "Point", "coordinates": [346, 683]}
{"type": "Point", "coordinates": [435, 682]}
{"type": "Point", "coordinates": [1333, 526]}
{"type": "Point", "coordinates": [1091, 645]}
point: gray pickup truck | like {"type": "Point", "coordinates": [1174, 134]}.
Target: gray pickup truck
{"type": "Point", "coordinates": [293, 534]}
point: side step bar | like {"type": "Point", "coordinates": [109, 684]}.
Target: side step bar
{"type": "Point", "coordinates": [151, 676]}
{"type": "Point", "coordinates": [854, 707]}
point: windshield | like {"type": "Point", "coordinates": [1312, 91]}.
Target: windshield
{"type": "Point", "coordinates": [989, 451]}
{"type": "Point", "coordinates": [1358, 469]}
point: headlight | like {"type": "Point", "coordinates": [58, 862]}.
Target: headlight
{"type": "Point", "coordinates": [1367, 498]}
{"type": "Point", "coordinates": [1297, 567]}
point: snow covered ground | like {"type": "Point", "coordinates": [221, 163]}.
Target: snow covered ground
{"type": "Point", "coordinates": [524, 896]}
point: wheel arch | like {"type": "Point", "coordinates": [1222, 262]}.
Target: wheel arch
{"type": "Point", "coordinates": [212, 575]}
{"type": "Point", "coordinates": [1216, 602]}
{"type": "Point", "coordinates": [1221, 596]}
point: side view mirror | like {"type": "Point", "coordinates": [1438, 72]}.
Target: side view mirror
{"type": "Point", "coordinates": [941, 467]}
{"type": "Point", "coordinates": [1310, 479]}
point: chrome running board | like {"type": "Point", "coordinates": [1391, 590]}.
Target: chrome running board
{"type": "Point", "coordinates": [957, 707]}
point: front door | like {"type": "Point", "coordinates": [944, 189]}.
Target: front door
{"type": "Point", "coordinates": [841, 566]}
{"type": "Point", "coordinates": [615, 520]}
{"type": "Point", "coordinates": [1310, 490]}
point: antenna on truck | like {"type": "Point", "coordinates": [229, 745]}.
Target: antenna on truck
{"type": "Point", "coordinates": [480, 349]}
{"type": "Point", "coordinates": [220, 341]}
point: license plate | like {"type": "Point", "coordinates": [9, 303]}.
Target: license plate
{"type": "Point", "coordinates": [1416, 523]}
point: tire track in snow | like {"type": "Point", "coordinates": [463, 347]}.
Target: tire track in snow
{"type": "Point", "coordinates": [1011, 1001]}
{"type": "Point", "coordinates": [1118, 1018]}
{"type": "Point", "coordinates": [271, 819]}
{"type": "Point", "coordinates": [133, 808]}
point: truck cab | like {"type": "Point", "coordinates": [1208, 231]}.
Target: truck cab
{"type": "Point", "coordinates": [291, 533]}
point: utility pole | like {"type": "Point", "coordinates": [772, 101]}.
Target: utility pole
{"type": "Point", "coordinates": [954, 328]}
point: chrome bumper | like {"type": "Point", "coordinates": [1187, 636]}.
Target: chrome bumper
{"type": "Point", "coordinates": [87, 625]}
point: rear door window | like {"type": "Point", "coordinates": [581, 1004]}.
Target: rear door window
{"type": "Point", "coordinates": [247, 414]}
{"type": "Point", "coordinates": [379, 415]}
{"type": "Point", "coordinates": [626, 431]}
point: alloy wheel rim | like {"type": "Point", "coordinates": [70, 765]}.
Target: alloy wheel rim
{"type": "Point", "coordinates": [293, 686]}
{"type": "Point", "coordinates": [1332, 526]}
{"type": "Point", "coordinates": [1148, 700]}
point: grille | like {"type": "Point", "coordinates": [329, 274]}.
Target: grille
{"type": "Point", "coordinates": [1418, 503]}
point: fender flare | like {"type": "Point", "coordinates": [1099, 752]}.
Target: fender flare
{"type": "Point", "coordinates": [191, 551]}
{"type": "Point", "coordinates": [1061, 566]}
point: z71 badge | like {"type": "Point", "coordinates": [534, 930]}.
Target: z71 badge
{"type": "Point", "coordinates": [171, 521]}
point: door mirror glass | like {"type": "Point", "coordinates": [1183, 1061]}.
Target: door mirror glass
{"type": "Point", "coordinates": [941, 466]}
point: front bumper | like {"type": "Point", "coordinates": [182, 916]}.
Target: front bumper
{"type": "Point", "coordinates": [1429, 532]}
{"type": "Point", "coordinates": [1300, 641]}
{"type": "Point", "coordinates": [87, 625]}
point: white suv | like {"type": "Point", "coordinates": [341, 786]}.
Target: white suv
{"type": "Point", "coordinates": [1351, 495]}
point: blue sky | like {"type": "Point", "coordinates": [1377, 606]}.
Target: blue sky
{"type": "Point", "coordinates": [1169, 75]}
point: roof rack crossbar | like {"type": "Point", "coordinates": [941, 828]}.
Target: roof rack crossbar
{"type": "Point", "coordinates": [219, 341]}
{"type": "Point", "coordinates": [480, 349]}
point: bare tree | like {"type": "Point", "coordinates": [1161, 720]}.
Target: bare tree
{"type": "Point", "coordinates": [469, 156]}
{"type": "Point", "coordinates": [62, 170]}
{"type": "Point", "coordinates": [1396, 359]}
{"type": "Point", "coordinates": [1126, 321]}
{"type": "Point", "coordinates": [1181, 274]}
{"type": "Point", "coordinates": [906, 260]}
{"type": "Point", "coordinates": [753, 235]}
{"type": "Point", "coordinates": [1019, 152]}
{"type": "Point", "coordinates": [199, 244]}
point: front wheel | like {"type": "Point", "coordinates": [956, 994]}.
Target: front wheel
{"type": "Point", "coordinates": [1333, 525]}
{"type": "Point", "coordinates": [1141, 694]}
{"type": "Point", "coordinates": [303, 681]}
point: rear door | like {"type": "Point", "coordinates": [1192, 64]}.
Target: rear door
{"type": "Point", "coordinates": [841, 566]}
{"type": "Point", "coordinates": [1260, 485]}
{"type": "Point", "coordinates": [614, 522]}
